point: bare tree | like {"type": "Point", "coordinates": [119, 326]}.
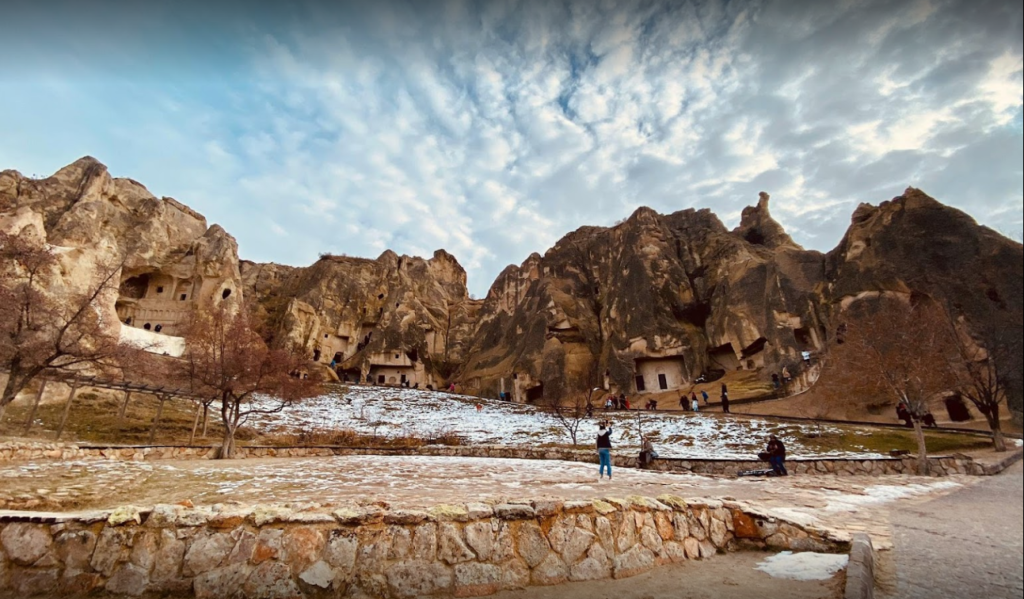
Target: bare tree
{"type": "Point", "coordinates": [573, 411]}
{"type": "Point", "coordinates": [228, 359]}
{"type": "Point", "coordinates": [43, 330]}
{"type": "Point", "coordinates": [985, 373]}
{"type": "Point", "coordinates": [896, 349]}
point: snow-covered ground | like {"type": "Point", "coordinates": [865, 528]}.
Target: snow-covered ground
{"type": "Point", "coordinates": [803, 566]}
{"type": "Point", "coordinates": [389, 412]}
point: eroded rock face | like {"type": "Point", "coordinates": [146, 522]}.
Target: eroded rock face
{"type": "Point", "coordinates": [393, 320]}
{"type": "Point", "coordinates": [172, 263]}
{"type": "Point", "coordinates": [649, 304]}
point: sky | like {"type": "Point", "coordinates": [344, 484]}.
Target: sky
{"type": "Point", "coordinates": [491, 129]}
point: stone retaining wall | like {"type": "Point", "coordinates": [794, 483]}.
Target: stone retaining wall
{"type": "Point", "coordinates": [940, 465]}
{"type": "Point", "coordinates": [272, 552]}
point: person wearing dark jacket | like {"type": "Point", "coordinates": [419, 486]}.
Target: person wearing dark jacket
{"type": "Point", "coordinates": [604, 448]}
{"type": "Point", "coordinates": [776, 451]}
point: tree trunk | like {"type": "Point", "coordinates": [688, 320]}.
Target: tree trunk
{"type": "Point", "coordinates": [67, 411]}
{"type": "Point", "coordinates": [206, 418]}
{"type": "Point", "coordinates": [35, 407]}
{"type": "Point", "coordinates": [10, 392]}
{"type": "Point", "coordinates": [195, 425]}
{"type": "Point", "coordinates": [998, 441]}
{"type": "Point", "coordinates": [227, 446]}
{"type": "Point", "coordinates": [922, 448]}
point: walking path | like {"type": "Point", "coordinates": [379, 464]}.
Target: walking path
{"type": "Point", "coordinates": [966, 544]}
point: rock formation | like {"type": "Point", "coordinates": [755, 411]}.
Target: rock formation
{"type": "Point", "coordinates": [170, 262]}
{"type": "Point", "coordinates": [650, 304]}
{"type": "Point", "coordinates": [393, 320]}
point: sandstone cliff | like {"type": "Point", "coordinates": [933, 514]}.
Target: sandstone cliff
{"type": "Point", "coordinates": [170, 263]}
{"type": "Point", "coordinates": [650, 304]}
{"type": "Point", "coordinates": [392, 320]}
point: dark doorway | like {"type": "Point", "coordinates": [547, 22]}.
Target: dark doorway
{"type": "Point", "coordinates": [957, 409]}
{"type": "Point", "coordinates": [662, 382]}
{"type": "Point", "coordinates": [380, 379]}
{"type": "Point", "coordinates": [640, 386]}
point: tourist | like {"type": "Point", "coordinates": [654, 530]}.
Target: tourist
{"type": "Point", "coordinates": [684, 402]}
{"type": "Point", "coordinates": [724, 389]}
{"type": "Point", "coordinates": [451, 387]}
{"type": "Point", "coordinates": [705, 395]}
{"type": "Point", "coordinates": [695, 406]}
{"type": "Point", "coordinates": [604, 448]}
{"type": "Point", "coordinates": [929, 420]}
{"type": "Point", "coordinates": [647, 453]}
{"type": "Point", "coordinates": [693, 397]}
{"type": "Point", "coordinates": [590, 410]}
{"type": "Point", "coordinates": [777, 456]}
{"type": "Point", "coordinates": [609, 403]}
{"type": "Point", "coordinates": [903, 413]}
{"type": "Point", "coordinates": [725, 402]}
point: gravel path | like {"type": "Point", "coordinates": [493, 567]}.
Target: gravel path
{"type": "Point", "coordinates": [964, 545]}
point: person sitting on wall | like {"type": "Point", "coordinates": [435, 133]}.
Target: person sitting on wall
{"type": "Point", "coordinates": [647, 453]}
{"type": "Point", "coordinates": [776, 451]}
{"type": "Point", "coordinates": [929, 420]}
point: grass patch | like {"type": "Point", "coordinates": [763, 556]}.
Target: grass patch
{"type": "Point", "coordinates": [884, 440]}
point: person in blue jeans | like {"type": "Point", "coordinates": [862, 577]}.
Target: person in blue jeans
{"type": "Point", "coordinates": [777, 456]}
{"type": "Point", "coordinates": [604, 448]}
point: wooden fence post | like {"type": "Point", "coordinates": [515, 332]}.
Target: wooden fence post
{"type": "Point", "coordinates": [156, 419]}
{"type": "Point", "coordinates": [67, 410]}
{"type": "Point", "coordinates": [124, 406]}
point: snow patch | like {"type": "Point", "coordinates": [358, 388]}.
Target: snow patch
{"type": "Point", "coordinates": [879, 494]}
{"type": "Point", "coordinates": [803, 566]}
{"type": "Point", "coordinates": [392, 412]}
{"type": "Point", "coordinates": [155, 343]}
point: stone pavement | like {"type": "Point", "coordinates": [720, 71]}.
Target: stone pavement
{"type": "Point", "coordinates": [964, 545]}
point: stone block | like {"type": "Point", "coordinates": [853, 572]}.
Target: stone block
{"type": "Point", "coordinates": [271, 580]}
{"type": "Point", "coordinates": [552, 570]}
{"type": "Point", "coordinates": [532, 545]}
{"type": "Point", "coordinates": [340, 552]}
{"type": "Point", "coordinates": [319, 575]}
{"type": "Point", "coordinates": [207, 552]}
{"type": "Point", "coordinates": [452, 549]}
{"type": "Point", "coordinates": [302, 546]}
{"type": "Point", "coordinates": [34, 582]}
{"type": "Point", "coordinates": [514, 511]}
{"type": "Point", "coordinates": [74, 548]}
{"type": "Point", "coordinates": [480, 539]}
{"type": "Point", "coordinates": [25, 543]}
{"type": "Point", "coordinates": [476, 580]}
{"type": "Point", "coordinates": [129, 580]}
{"type": "Point", "coordinates": [596, 566]}
{"type": "Point", "coordinates": [637, 560]}
{"type": "Point", "coordinates": [416, 578]}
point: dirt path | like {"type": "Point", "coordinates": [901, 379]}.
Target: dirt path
{"type": "Point", "coordinates": [967, 544]}
{"type": "Point", "coordinates": [731, 576]}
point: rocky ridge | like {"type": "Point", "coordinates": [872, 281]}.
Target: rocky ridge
{"type": "Point", "coordinates": [650, 304]}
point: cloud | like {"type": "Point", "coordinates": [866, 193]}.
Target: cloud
{"type": "Point", "coordinates": [491, 129]}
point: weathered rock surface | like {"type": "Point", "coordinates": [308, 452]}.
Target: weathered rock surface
{"type": "Point", "coordinates": [392, 320]}
{"type": "Point", "coordinates": [172, 263]}
{"type": "Point", "coordinates": [647, 305]}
